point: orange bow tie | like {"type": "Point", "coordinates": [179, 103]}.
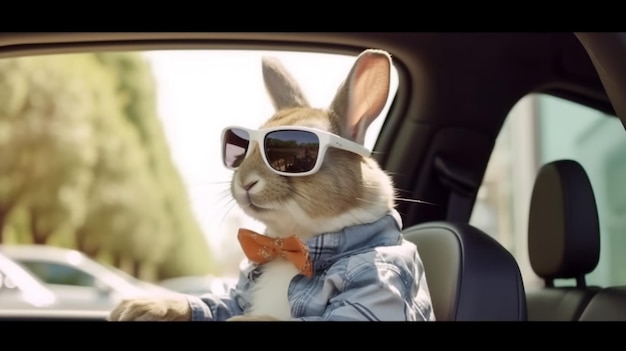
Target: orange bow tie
{"type": "Point", "coordinates": [261, 249]}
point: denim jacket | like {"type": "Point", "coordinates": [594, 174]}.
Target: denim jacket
{"type": "Point", "coordinates": [365, 272]}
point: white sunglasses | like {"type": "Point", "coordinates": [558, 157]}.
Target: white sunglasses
{"type": "Point", "coordinates": [288, 151]}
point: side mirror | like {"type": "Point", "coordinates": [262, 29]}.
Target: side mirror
{"type": "Point", "coordinates": [102, 288]}
{"type": "Point", "coordinates": [6, 283]}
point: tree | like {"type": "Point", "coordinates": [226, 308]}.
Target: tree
{"type": "Point", "coordinates": [85, 159]}
{"type": "Point", "coordinates": [46, 119]}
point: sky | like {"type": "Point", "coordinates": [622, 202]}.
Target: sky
{"type": "Point", "coordinates": [201, 92]}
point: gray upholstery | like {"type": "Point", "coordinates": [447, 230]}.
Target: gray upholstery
{"type": "Point", "coordinates": [563, 241]}
{"type": "Point", "coordinates": [559, 304]}
{"type": "Point", "coordinates": [563, 228]}
{"type": "Point", "coordinates": [470, 275]}
{"type": "Point", "coordinates": [607, 305]}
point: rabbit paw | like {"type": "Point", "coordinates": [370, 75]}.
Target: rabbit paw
{"type": "Point", "coordinates": [251, 318]}
{"type": "Point", "coordinates": [170, 308]}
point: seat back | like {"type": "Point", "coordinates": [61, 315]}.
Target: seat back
{"type": "Point", "coordinates": [563, 241]}
{"type": "Point", "coordinates": [471, 277]}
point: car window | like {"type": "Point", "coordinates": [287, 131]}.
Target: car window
{"type": "Point", "coordinates": [54, 273]}
{"type": "Point", "coordinates": [122, 152]}
{"type": "Point", "coordinates": [542, 128]}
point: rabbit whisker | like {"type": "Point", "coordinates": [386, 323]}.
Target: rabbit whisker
{"type": "Point", "coordinates": [415, 201]}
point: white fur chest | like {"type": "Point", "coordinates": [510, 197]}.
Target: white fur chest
{"type": "Point", "coordinates": [269, 294]}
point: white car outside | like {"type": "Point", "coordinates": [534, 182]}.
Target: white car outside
{"type": "Point", "coordinates": [76, 278]}
{"type": "Point", "coordinates": [19, 289]}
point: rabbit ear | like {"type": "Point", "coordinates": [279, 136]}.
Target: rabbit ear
{"type": "Point", "coordinates": [363, 95]}
{"type": "Point", "coordinates": [282, 88]}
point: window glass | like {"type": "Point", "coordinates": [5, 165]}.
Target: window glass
{"type": "Point", "coordinates": [117, 154]}
{"type": "Point", "coordinates": [53, 273]}
{"type": "Point", "coordinates": [540, 129]}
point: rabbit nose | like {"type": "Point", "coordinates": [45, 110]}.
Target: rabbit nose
{"type": "Point", "coordinates": [250, 185]}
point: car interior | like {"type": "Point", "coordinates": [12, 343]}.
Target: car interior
{"type": "Point", "coordinates": [454, 95]}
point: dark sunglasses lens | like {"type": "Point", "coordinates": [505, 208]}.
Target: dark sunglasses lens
{"type": "Point", "coordinates": [292, 151]}
{"type": "Point", "coordinates": [235, 145]}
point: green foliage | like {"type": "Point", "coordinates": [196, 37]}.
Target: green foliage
{"type": "Point", "coordinates": [46, 144]}
{"type": "Point", "coordinates": [85, 163]}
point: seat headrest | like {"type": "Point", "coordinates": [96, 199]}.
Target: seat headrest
{"type": "Point", "coordinates": [563, 227]}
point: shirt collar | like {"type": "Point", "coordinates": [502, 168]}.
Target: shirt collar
{"type": "Point", "coordinates": [325, 248]}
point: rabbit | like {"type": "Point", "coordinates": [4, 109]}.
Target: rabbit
{"type": "Point", "coordinates": [350, 198]}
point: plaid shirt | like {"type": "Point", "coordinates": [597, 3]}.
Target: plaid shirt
{"type": "Point", "coordinates": [366, 272]}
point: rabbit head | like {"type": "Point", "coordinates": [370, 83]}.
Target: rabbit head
{"type": "Point", "coordinates": [348, 189]}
